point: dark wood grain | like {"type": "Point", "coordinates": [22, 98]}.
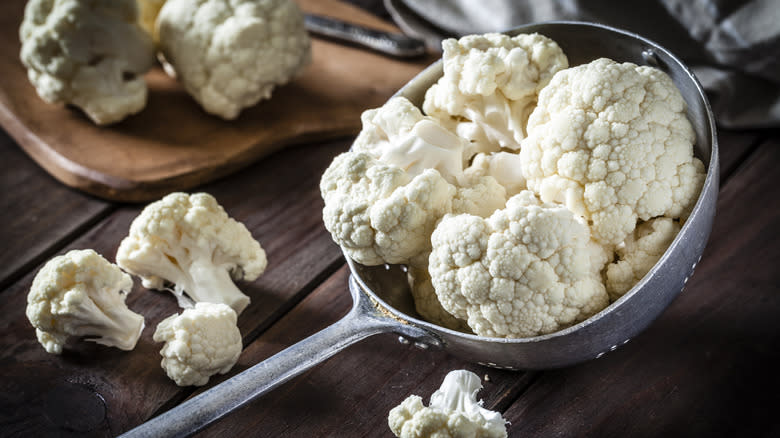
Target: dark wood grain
{"type": "Point", "coordinates": [707, 367]}
{"type": "Point", "coordinates": [351, 393]}
{"type": "Point", "coordinates": [36, 212]}
{"type": "Point", "coordinates": [278, 200]}
{"type": "Point", "coordinates": [173, 144]}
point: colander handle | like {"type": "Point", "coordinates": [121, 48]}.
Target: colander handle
{"type": "Point", "coordinates": [198, 412]}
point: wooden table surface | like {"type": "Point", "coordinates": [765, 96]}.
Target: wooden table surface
{"type": "Point", "coordinates": [708, 366]}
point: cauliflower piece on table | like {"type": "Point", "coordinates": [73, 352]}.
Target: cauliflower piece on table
{"type": "Point", "coordinates": [190, 242]}
{"type": "Point", "coordinates": [612, 142]}
{"type": "Point", "coordinates": [230, 54]}
{"type": "Point", "coordinates": [91, 54]}
{"type": "Point", "coordinates": [528, 269]}
{"type": "Point", "coordinates": [639, 253]}
{"type": "Point", "coordinates": [379, 213]}
{"type": "Point", "coordinates": [490, 84]}
{"type": "Point", "coordinates": [453, 412]}
{"type": "Point", "coordinates": [82, 294]}
{"type": "Point", "coordinates": [199, 343]}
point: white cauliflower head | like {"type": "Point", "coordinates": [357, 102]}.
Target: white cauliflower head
{"type": "Point", "coordinates": [612, 142]}
{"type": "Point", "coordinates": [82, 294]}
{"type": "Point", "coordinates": [639, 253]}
{"type": "Point", "coordinates": [490, 84]}
{"type": "Point", "coordinates": [189, 242]}
{"type": "Point", "coordinates": [199, 343]}
{"type": "Point", "coordinates": [528, 269]}
{"type": "Point", "coordinates": [91, 54]}
{"type": "Point", "coordinates": [230, 54]}
{"type": "Point", "coordinates": [453, 412]}
{"type": "Point", "coordinates": [379, 213]}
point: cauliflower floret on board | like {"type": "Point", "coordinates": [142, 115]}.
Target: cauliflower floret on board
{"type": "Point", "coordinates": [612, 142]}
{"type": "Point", "coordinates": [528, 269]}
{"type": "Point", "coordinates": [639, 253]}
{"type": "Point", "coordinates": [453, 412]}
{"type": "Point", "coordinates": [189, 245]}
{"type": "Point", "coordinates": [490, 84]}
{"type": "Point", "coordinates": [199, 343]}
{"type": "Point", "coordinates": [91, 54]}
{"type": "Point", "coordinates": [82, 294]}
{"type": "Point", "coordinates": [379, 213]}
{"type": "Point", "coordinates": [230, 54]}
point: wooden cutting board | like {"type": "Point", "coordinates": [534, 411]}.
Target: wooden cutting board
{"type": "Point", "coordinates": [173, 144]}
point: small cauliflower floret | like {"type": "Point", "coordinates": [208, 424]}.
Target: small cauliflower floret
{"type": "Point", "coordinates": [82, 294]}
{"type": "Point", "coordinates": [528, 269]}
{"type": "Point", "coordinates": [189, 241]}
{"type": "Point", "coordinates": [427, 303]}
{"type": "Point", "coordinates": [398, 134]}
{"type": "Point", "coordinates": [91, 54]}
{"type": "Point", "coordinates": [453, 412]}
{"type": "Point", "coordinates": [490, 85]}
{"type": "Point", "coordinates": [612, 142]}
{"type": "Point", "coordinates": [639, 253]}
{"type": "Point", "coordinates": [379, 213]}
{"type": "Point", "coordinates": [199, 343]}
{"type": "Point", "coordinates": [230, 54]}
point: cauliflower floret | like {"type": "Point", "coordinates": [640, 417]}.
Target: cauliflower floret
{"type": "Point", "coordinates": [612, 142]}
{"type": "Point", "coordinates": [91, 54]}
{"type": "Point", "coordinates": [639, 253]}
{"type": "Point", "coordinates": [191, 242]}
{"type": "Point", "coordinates": [199, 343]}
{"type": "Point", "coordinates": [427, 303]}
{"type": "Point", "coordinates": [379, 213]}
{"type": "Point", "coordinates": [230, 54]}
{"type": "Point", "coordinates": [528, 269]}
{"type": "Point", "coordinates": [453, 412]}
{"type": "Point", "coordinates": [82, 294]}
{"type": "Point", "coordinates": [490, 84]}
{"type": "Point", "coordinates": [398, 134]}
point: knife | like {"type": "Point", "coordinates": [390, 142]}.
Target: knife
{"type": "Point", "coordinates": [394, 44]}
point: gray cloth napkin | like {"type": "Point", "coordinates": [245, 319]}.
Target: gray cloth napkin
{"type": "Point", "coordinates": [733, 46]}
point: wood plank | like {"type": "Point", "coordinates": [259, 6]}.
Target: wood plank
{"type": "Point", "coordinates": [350, 394]}
{"type": "Point", "coordinates": [278, 199]}
{"type": "Point", "coordinates": [37, 212]}
{"type": "Point", "coordinates": [735, 147]}
{"type": "Point", "coordinates": [707, 366]}
{"type": "Point", "coordinates": [173, 144]}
